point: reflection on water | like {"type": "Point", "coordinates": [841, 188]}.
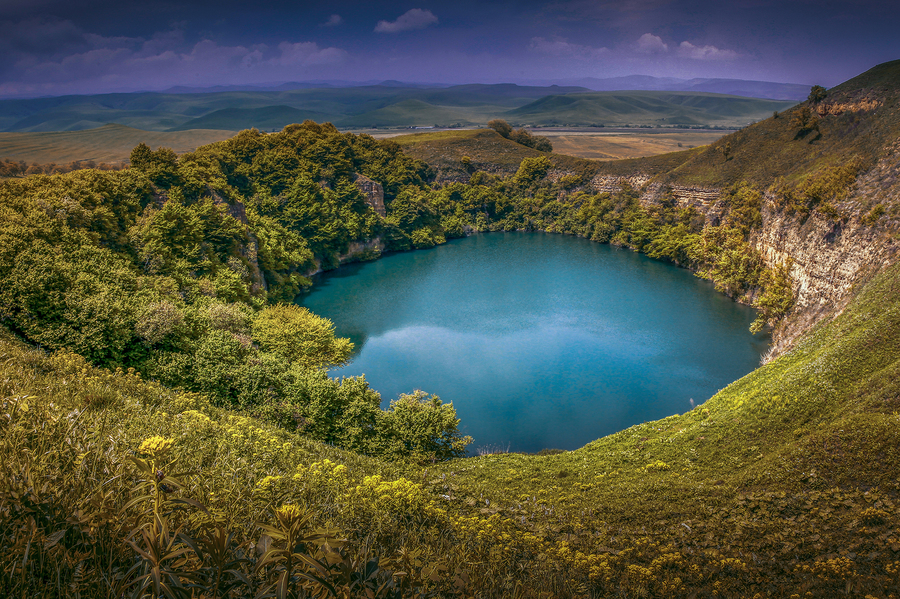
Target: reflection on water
{"type": "Point", "coordinates": [538, 340]}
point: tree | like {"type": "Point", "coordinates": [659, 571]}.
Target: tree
{"type": "Point", "coordinates": [421, 425]}
{"type": "Point", "coordinates": [542, 144]}
{"type": "Point", "coordinates": [161, 166]}
{"type": "Point", "coordinates": [816, 94]}
{"type": "Point", "coordinates": [805, 120]}
{"type": "Point", "coordinates": [297, 335]}
{"type": "Point", "coordinates": [501, 127]}
{"type": "Point", "coordinates": [725, 149]}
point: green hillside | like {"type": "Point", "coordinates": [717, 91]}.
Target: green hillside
{"type": "Point", "coordinates": [265, 118]}
{"type": "Point", "coordinates": [161, 111]}
{"type": "Point", "coordinates": [109, 143]}
{"type": "Point", "coordinates": [646, 108]}
{"type": "Point", "coordinates": [851, 127]}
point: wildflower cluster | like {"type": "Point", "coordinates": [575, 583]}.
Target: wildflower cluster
{"type": "Point", "coordinates": [156, 447]}
{"type": "Point", "coordinates": [838, 568]}
{"type": "Point", "coordinates": [377, 498]}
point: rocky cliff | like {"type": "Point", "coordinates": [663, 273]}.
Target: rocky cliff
{"type": "Point", "coordinates": [828, 254]}
{"type": "Point", "coordinates": [374, 192]}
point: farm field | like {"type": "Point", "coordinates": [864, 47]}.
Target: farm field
{"type": "Point", "coordinates": [110, 143]}
{"type": "Point", "coordinates": [626, 143]}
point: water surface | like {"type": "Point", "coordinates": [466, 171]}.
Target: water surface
{"type": "Point", "coordinates": [539, 340]}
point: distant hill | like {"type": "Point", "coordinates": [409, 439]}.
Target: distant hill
{"type": "Point", "coordinates": [388, 104]}
{"type": "Point", "coordinates": [344, 106]}
{"type": "Point", "coordinates": [735, 87]}
{"type": "Point", "coordinates": [645, 108]}
{"type": "Point", "coordinates": [265, 118]}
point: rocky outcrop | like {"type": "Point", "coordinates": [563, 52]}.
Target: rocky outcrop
{"type": "Point", "coordinates": [357, 251]}
{"type": "Point", "coordinates": [828, 255]}
{"type": "Point", "coordinates": [374, 193]}
{"type": "Point", "coordinates": [250, 251]}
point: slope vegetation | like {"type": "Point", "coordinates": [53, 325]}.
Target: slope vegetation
{"type": "Point", "coordinates": [646, 108]}
{"type": "Point", "coordinates": [109, 143]}
{"type": "Point", "coordinates": [854, 122]}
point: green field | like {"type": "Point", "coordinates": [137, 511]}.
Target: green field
{"type": "Point", "coordinates": [109, 143]}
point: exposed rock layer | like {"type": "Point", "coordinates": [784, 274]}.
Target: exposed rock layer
{"type": "Point", "coordinates": [828, 256]}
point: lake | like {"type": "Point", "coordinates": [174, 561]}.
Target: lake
{"type": "Point", "coordinates": [539, 340]}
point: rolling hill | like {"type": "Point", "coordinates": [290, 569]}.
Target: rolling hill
{"type": "Point", "coordinates": [646, 108]}
{"type": "Point", "coordinates": [380, 106]}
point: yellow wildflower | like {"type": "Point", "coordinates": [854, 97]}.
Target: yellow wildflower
{"type": "Point", "coordinates": [156, 446]}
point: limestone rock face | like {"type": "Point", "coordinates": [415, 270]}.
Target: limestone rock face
{"type": "Point", "coordinates": [374, 193]}
{"type": "Point", "coordinates": [828, 256]}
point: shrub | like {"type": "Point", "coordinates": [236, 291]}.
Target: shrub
{"type": "Point", "coordinates": [297, 335]}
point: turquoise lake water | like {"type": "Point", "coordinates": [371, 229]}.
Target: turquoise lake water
{"type": "Point", "coordinates": [539, 340]}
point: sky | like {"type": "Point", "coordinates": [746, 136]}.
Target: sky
{"type": "Point", "coordinates": [56, 47]}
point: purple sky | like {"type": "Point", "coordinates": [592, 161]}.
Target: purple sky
{"type": "Point", "coordinates": [53, 47]}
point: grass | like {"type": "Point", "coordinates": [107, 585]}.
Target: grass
{"type": "Point", "coordinates": [109, 143]}
{"type": "Point", "coordinates": [486, 151]}
{"type": "Point", "coordinates": [760, 153]}
{"type": "Point", "coordinates": [619, 145]}
{"type": "Point", "coordinates": [645, 108]}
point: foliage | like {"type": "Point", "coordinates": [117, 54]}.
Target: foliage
{"type": "Point", "coordinates": [501, 127]}
{"type": "Point", "coordinates": [298, 336]}
{"type": "Point", "coordinates": [777, 299]}
{"type": "Point", "coordinates": [421, 425]}
{"type": "Point", "coordinates": [520, 136]}
{"type": "Point", "coordinates": [820, 188]}
{"type": "Point", "coordinates": [817, 93]}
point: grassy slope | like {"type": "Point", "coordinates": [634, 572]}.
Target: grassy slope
{"type": "Point", "coordinates": [265, 118]}
{"type": "Point", "coordinates": [488, 151]}
{"type": "Point", "coordinates": [109, 143]}
{"type": "Point", "coordinates": [646, 108]}
{"type": "Point", "coordinates": [773, 148]}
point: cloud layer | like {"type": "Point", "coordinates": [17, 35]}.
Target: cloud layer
{"type": "Point", "coordinates": [415, 18]}
{"type": "Point", "coordinates": [92, 46]}
{"type": "Point", "coordinates": [63, 58]}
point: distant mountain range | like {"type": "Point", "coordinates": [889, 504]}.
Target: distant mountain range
{"type": "Point", "coordinates": [769, 90]}
{"type": "Point", "coordinates": [733, 87]}
{"type": "Point", "coordinates": [396, 104]}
